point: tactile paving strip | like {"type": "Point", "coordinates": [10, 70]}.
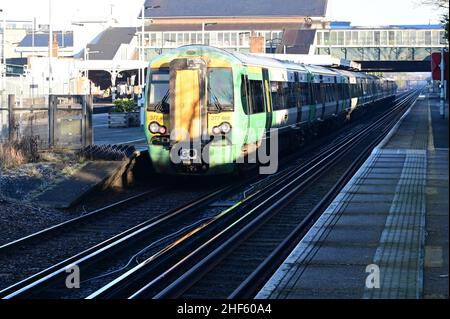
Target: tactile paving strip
{"type": "Point", "coordinates": [400, 253]}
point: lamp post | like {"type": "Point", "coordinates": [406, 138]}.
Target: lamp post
{"type": "Point", "coordinates": [142, 50]}
{"type": "Point", "coordinates": [205, 24]}
{"type": "Point", "coordinates": [50, 47]}
{"type": "Point", "coordinates": [141, 58]}
{"type": "Point", "coordinates": [3, 69]}
{"type": "Point", "coordinates": [87, 51]}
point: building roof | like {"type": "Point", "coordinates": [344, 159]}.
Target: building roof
{"type": "Point", "coordinates": [65, 39]}
{"type": "Point", "coordinates": [297, 41]}
{"type": "Point", "coordinates": [347, 25]}
{"type": "Point", "coordinates": [106, 45]}
{"type": "Point", "coordinates": [235, 8]}
{"type": "Point", "coordinates": [221, 27]}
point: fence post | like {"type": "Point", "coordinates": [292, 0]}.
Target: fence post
{"type": "Point", "coordinates": [11, 117]}
{"type": "Point", "coordinates": [52, 100]}
{"type": "Point", "coordinates": [87, 131]}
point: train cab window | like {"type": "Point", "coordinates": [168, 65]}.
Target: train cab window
{"type": "Point", "coordinates": [220, 89]}
{"type": "Point", "coordinates": [158, 97]}
{"type": "Point", "coordinates": [257, 97]}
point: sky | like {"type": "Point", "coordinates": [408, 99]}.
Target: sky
{"type": "Point", "coordinates": [359, 12]}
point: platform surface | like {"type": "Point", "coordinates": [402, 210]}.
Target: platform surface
{"type": "Point", "coordinates": [386, 234]}
{"type": "Point", "coordinates": [116, 136]}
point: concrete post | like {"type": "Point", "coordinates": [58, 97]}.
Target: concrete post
{"type": "Point", "coordinates": [52, 104]}
{"type": "Point", "coordinates": [88, 134]}
{"type": "Point", "coordinates": [11, 117]}
{"type": "Point", "coordinates": [442, 106]}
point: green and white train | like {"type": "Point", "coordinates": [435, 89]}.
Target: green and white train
{"type": "Point", "coordinates": [207, 109]}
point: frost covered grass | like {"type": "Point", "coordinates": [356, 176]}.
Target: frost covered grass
{"type": "Point", "coordinates": [14, 154]}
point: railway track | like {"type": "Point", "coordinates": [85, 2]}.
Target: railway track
{"type": "Point", "coordinates": [224, 253]}
{"type": "Point", "coordinates": [43, 251]}
{"type": "Point", "coordinates": [101, 264]}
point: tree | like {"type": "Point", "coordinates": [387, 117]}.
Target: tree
{"type": "Point", "coordinates": [442, 5]}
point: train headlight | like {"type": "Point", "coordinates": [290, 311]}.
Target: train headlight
{"type": "Point", "coordinates": [225, 127]}
{"type": "Point", "coordinates": [216, 130]}
{"type": "Point", "coordinates": [162, 130]}
{"type": "Point", "coordinates": [154, 127]}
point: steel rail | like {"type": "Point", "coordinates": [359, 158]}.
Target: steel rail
{"type": "Point", "coordinates": [38, 281]}
{"type": "Point", "coordinates": [195, 273]}
{"type": "Point", "coordinates": [105, 291]}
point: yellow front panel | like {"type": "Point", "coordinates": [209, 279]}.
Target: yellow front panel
{"type": "Point", "coordinates": [187, 104]}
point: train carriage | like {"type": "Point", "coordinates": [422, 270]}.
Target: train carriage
{"type": "Point", "coordinates": [208, 109]}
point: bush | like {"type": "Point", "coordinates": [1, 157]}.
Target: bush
{"type": "Point", "coordinates": [13, 154]}
{"type": "Point", "coordinates": [124, 105]}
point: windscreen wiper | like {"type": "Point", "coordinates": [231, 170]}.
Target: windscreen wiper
{"type": "Point", "coordinates": [216, 100]}
{"type": "Point", "coordinates": [160, 106]}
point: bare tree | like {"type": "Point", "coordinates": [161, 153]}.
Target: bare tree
{"type": "Point", "coordinates": [442, 5]}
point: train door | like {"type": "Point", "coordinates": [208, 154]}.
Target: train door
{"type": "Point", "coordinates": [187, 107]}
{"type": "Point", "coordinates": [267, 98]}
{"type": "Point", "coordinates": [256, 108]}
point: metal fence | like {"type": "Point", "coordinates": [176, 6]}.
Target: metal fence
{"type": "Point", "coordinates": [55, 121]}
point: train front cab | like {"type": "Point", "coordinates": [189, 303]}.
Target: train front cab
{"type": "Point", "coordinates": [191, 118]}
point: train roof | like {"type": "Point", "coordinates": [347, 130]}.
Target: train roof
{"type": "Point", "coordinates": [257, 60]}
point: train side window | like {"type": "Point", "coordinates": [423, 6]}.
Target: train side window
{"type": "Point", "coordinates": [278, 91]}
{"type": "Point", "coordinates": [305, 94]}
{"type": "Point", "coordinates": [257, 97]}
{"type": "Point", "coordinates": [293, 96]}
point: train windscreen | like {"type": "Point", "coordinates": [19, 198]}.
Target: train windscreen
{"type": "Point", "coordinates": [158, 99]}
{"type": "Point", "coordinates": [220, 89]}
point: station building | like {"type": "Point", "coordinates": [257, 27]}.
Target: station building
{"type": "Point", "coordinates": [225, 24]}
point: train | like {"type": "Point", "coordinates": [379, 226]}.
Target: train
{"type": "Point", "coordinates": [208, 110]}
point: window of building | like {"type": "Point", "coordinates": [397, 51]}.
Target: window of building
{"type": "Point", "coordinates": [427, 37]}
{"type": "Point", "coordinates": [369, 38]}
{"type": "Point", "coordinates": [443, 40]}
{"type": "Point", "coordinates": [326, 38]}
{"type": "Point", "coordinates": [319, 38]}
{"type": "Point", "coordinates": [244, 39]}
{"type": "Point", "coordinates": [194, 38]}
{"type": "Point", "coordinates": [405, 38]}
{"type": "Point", "coordinates": [420, 38]}
{"type": "Point", "coordinates": [152, 40]}
{"type": "Point", "coordinates": [398, 37]}
{"type": "Point", "coordinates": [333, 38]}
{"type": "Point", "coordinates": [377, 37]}
{"type": "Point", "coordinates": [234, 39]}
{"type": "Point", "coordinates": [391, 38]}
{"type": "Point", "coordinates": [226, 39]}
{"type": "Point", "coordinates": [348, 37]}
{"type": "Point", "coordinates": [383, 38]}
{"type": "Point", "coordinates": [355, 37]}
{"type": "Point", "coordinates": [220, 38]}
{"type": "Point", "coordinates": [412, 37]}
{"type": "Point", "coordinates": [340, 39]}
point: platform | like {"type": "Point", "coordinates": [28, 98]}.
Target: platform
{"type": "Point", "coordinates": [116, 136]}
{"type": "Point", "coordinates": [386, 234]}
